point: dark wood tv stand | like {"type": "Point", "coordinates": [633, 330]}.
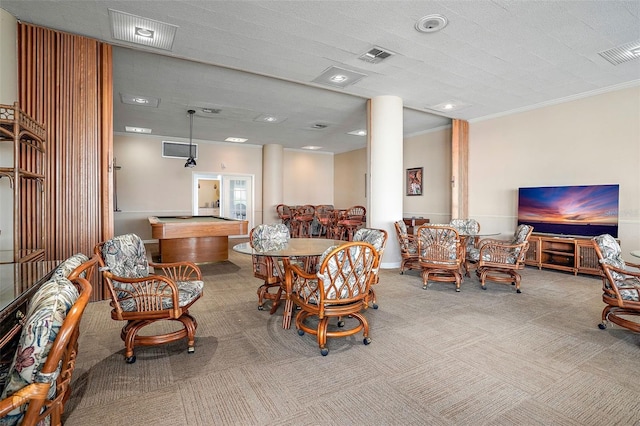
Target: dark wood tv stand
{"type": "Point", "coordinates": [566, 253]}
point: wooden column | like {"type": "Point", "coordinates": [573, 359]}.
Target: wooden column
{"type": "Point", "coordinates": [65, 82]}
{"type": "Point", "coordinates": [459, 169]}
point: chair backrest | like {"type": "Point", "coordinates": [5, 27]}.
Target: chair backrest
{"type": "Point", "coordinates": [439, 244]}
{"type": "Point", "coordinates": [522, 234]}
{"type": "Point", "coordinates": [125, 256]}
{"type": "Point", "coordinates": [356, 213]}
{"type": "Point", "coordinates": [466, 226]}
{"type": "Point", "coordinates": [376, 237]}
{"type": "Point", "coordinates": [70, 264]}
{"type": "Point", "coordinates": [41, 370]}
{"type": "Point", "coordinates": [284, 211]}
{"type": "Point", "coordinates": [276, 232]}
{"type": "Point", "coordinates": [345, 272]}
{"type": "Point", "coordinates": [407, 247]}
{"type": "Point", "coordinates": [610, 255]}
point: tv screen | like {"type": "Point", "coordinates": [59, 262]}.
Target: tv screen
{"type": "Point", "coordinates": [587, 210]}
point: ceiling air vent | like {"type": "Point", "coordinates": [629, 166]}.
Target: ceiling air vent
{"type": "Point", "coordinates": [624, 53]}
{"type": "Point", "coordinates": [375, 55]}
{"type": "Point", "coordinates": [319, 126]}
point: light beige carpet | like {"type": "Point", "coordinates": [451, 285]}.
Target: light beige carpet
{"type": "Point", "coordinates": [437, 357]}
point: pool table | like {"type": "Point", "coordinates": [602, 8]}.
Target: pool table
{"type": "Point", "coordinates": [198, 239]}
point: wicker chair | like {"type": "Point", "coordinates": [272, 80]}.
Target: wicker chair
{"type": "Point", "coordinates": [324, 216]}
{"type": "Point", "coordinates": [339, 289]}
{"type": "Point", "coordinates": [465, 228]}
{"type": "Point", "coordinates": [378, 239]}
{"type": "Point", "coordinates": [264, 237]}
{"type": "Point", "coordinates": [620, 285]}
{"type": "Point", "coordinates": [141, 298]}
{"type": "Point", "coordinates": [285, 213]}
{"type": "Point", "coordinates": [301, 221]}
{"type": "Point", "coordinates": [440, 254]}
{"type": "Point", "coordinates": [39, 378]}
{"type": "Point", "coordinates": [500, 260]}
{"type": "Point", "coordinates": [408, 247]}
{"type": "Point", "coordinates": [354, 218]}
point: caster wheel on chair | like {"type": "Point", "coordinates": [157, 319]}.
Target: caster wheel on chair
{"type": "Point", "coordinates": [340, 323]}
{"type": "Point", "coordinates": [261, 308]}
{"type": "Point", "coordinates": [130, 359]}
{"type": "Point", "coordinates": [518, 291]}
{"type": "Point", "coordinates": [191, 350]}
{"type": "Point", "coordinates": [484, 287]}
{"type": "Point", "coordinates": [366, 340]}
{"type": "Point", "coordinates": [300, 332]}
{"type": "Point", "coordinates": [324, 351]}
{"type": "Point", "coordinates": [375, 306]}
{"type": "Point", "coordinates": [602, 326]}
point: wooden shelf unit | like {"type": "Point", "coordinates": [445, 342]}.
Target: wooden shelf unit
{"type": "Point", "coordinates": [25, 176]}
{"type": "Point", "coordinates": [571, 254]}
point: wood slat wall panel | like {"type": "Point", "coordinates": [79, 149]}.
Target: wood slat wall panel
{"type": "Point", "coordinates": [65, 81]}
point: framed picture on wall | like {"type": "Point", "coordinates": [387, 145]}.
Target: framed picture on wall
{"type": "Point", "coordinates": [414, 181]}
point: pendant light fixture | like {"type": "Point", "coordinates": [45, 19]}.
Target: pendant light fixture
{"type": "Point", "coordinates": [191, 162]}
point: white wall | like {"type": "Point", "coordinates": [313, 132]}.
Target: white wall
{"type": "Point", "coordinates": [150, 185]}
{"type": "Point", "coordinates": [594, 140]}
{"type": "Point", "coordinates": [432, 152]}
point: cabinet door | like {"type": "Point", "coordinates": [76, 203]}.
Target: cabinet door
{"type": "Point", "coordinates": [587, 260]}
{"type": "Point", "coordinates": [533, 253]}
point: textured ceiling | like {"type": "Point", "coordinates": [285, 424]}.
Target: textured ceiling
{"type": "Point", "coordinates": [249, 58]}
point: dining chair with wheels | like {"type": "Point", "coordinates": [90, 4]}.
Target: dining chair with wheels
{"type": "Point", "coordinates": [340, 288]}
{"type": "Point", "coordinates": [141, 298]}
{"type": "Point", "coordinates": [440, 254]}
{"type": "Point", "coordinates": [267, 237]}
{"type": "Point", "coordinates": [378, 239]}
{"type": "Point", "coordinates": [620, 285]}
{"type": "Point", "coordinates": [467, 228]}
{"type": "Point", "coordinates": [408, 247]}
{"type": "Point", "coordinates": [38, 382]}
{"type": "Point", "coordinates": [500, 260]}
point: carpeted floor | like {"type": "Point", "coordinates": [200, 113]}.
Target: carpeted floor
{"type": "Point", "coordinates": [437, 357]}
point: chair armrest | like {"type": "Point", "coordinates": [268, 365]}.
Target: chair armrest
{"type": "Point", "coordinates": [178, 271]}
{"type": "Point", "coordinates": [631, 281]}
{"type": "Point", "coordinates": [484, 241]}
{"type": "Point", "coordinates": [30, 392]}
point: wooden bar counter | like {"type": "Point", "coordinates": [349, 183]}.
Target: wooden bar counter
{"type": "Point", "coordinates": [198, 239]}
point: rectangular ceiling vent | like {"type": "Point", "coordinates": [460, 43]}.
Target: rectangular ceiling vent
{"type": "Point", "coordinates": [140, 30]}
{"type": "Point", "coordinates": [624, 53]}
{"type": "Point", "coordinates": [375, 55]}
{"type": "Point", "coordinates": [178, 150]}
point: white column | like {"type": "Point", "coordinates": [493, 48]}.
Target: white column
{"type": "Point", "coordinates": [385, 171]}
{"type": "Point", "coordinates": [272, 181]}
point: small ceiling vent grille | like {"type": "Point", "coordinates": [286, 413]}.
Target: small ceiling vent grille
{"type": "Point", "coordinates": [178, 150]}
{"type": "Point", "coordinates": [319, 126]}
{"type": "Point", "coordinates": [375, 55]}
{"type": "Point", "coordinates": [624, 53]}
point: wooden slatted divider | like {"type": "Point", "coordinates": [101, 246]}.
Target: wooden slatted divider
{"type": "Point", "coordinates": [65, 81]}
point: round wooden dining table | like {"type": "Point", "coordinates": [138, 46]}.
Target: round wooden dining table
{"type": "Point", "coordinates": [307, 248]}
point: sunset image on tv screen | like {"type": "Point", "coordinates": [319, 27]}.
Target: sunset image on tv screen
{"type": "Point", "coordinates": [579, 210]}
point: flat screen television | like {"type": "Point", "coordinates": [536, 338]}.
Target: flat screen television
{"type": "Point", "coordinates": [587, 210]}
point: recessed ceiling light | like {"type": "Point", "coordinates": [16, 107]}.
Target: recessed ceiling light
{"type": "Point", "coordinates": [269, 118]}
{"type": "Point", "coordinates": [147, 101]}
{"type": "Point", "coordinates": [137, 129]}
{"type": "Point", "coordinates": [339, 77]}
{"type": "Point", "coordinates": [211, 110]}
{"type": "Point", "coordinates": [359, 132]}
{"type": "Point", "coordinates": [143, 32]}
{"type": "Point", "coordinates": [232, 139]}
{"type": "Point", "coordinates": [449, 106]}
{"type": "Point", "coordinates": [312, 147]}
{"type": "Point", "coordinates": [431, 23]}
{"type": "Point", "coordinates": [140, 30]}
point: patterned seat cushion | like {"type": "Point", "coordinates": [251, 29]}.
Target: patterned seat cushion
{"type": "Point", "coordinates": [188, 291]}
{"type": "Point", "coordinates": [612, 255]}
{"type": "Point", "coordinates": [46, 312]}
{"type": "Point", "coordinates": [69, 265]}
{"type": "Point", "coordinates": [125, 256]}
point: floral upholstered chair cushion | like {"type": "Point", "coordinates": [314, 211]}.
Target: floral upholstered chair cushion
{"type": "Point", "coordinates": [612, 255]}
{"type": "Point", "coordinates": [438, 244]}
{"type": "Point", "coordinates": [276, 232]}
{"type": "Point", "coordinates": [406, 245]}
{"type": "Point", "coordinates": [69, 265]}
{"type": "Point", "coordinates": [467, 227]}
{"type": "Point", "coordinates": [520, 236]}
{"type": "Point", "coordinates": [46, 312]}
{"type": "Point", "coordinates": [125, 256]}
